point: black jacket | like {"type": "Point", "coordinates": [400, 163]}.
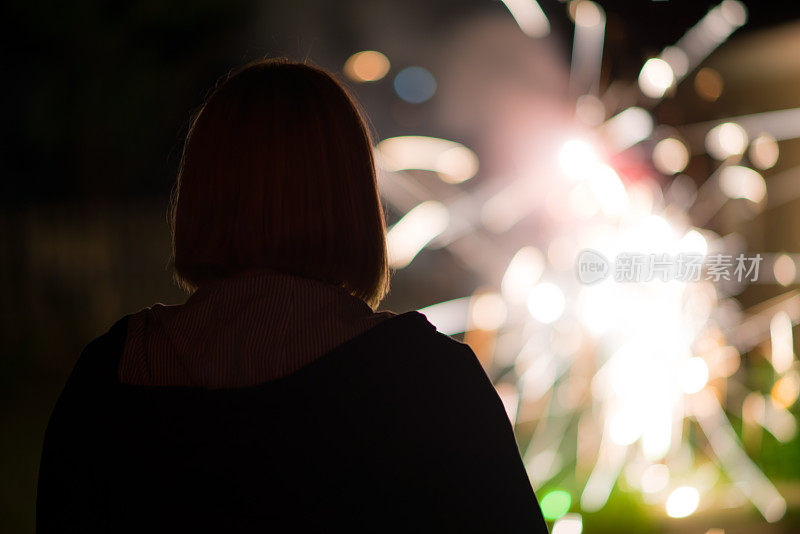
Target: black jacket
{"type": "Point", "coordinates": [399, 429]}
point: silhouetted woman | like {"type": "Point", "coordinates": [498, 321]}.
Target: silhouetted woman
{"type": "Point", "coordinates": [275, 399]}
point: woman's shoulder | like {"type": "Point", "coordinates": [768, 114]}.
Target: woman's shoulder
{"type": "Point", "coordinates": [98, 360]}
{"type": "Point", "coordinates": [410, 345]}
{"type": "Point", "coordinates": [411, 332]}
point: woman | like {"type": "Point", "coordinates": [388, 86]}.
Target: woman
{"type": "Point", "coordinates": [275, 398]}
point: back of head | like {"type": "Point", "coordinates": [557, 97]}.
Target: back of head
{"type": "Point", "coordinates": [277, 173]}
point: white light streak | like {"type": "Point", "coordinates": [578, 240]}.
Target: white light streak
{"type": "Point", "coordinates": [683, 501]}
{"type": "Point", "coordinates": [546, 302]}
{"type": "Point", "coordinates": [677, 60]}
{"type": "Point", "coordinates": [782, 341]}
{"type": "Point", "coordinates": [488, 311]}
{"type": "Point", "coordinates": [694, 375]}
{"type": "Point", "coordinates": [568, 524]}
{"type": "Point", "coordinates": [726, 140]}
{"type": "Point", "coordinates": [507, 207]}
{"type": "Point", "coordinates": [530, 17]}
{"type": "Point", "coordinates": [578, 159]}
{"type": "Point", "coordinates": [610, 460]}
{"type": "Point", "coordinates": [415, 230]}
{"type": "Point", "coordinates": [587, 48]}
{"type": "Point", "coordinates": [452, 161]}
{"type": "Point", "coordinates": [509, 396]}
{"type": "Point", "coordinates": [608, 189]}
{"type": "Point", "coordinates": [712, 30]}
{"type": "Point", "coordinates": [522, 274]}
{"type": "Point", "coordinates": [449, 317]}
{"type": "Point", "coordinates": [590, 110]}
{"type": "Point", "coordinates": [628, 128]}
{"type": "Point", "coordinates": [656, 77]}
{"type": "Point", "coordinates": [742, 182]}
{"type": "Point", "coordinates": [735, 462]}
{"type": "Point", "coordinates": [781, 125]}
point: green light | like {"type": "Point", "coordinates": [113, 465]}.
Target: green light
{"type": "Point", "coordinates": [555, 504]}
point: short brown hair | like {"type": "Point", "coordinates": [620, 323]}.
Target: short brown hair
{"type": "Point", "coordinates": [278, 173]}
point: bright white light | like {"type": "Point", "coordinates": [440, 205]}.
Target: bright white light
{"type": "Point", "coordinates": [657, 430]}
{"type": "Point", "coordinates": [577, 158]}
{"type": "Point", "coordinates": [415, 230]}
{"type": "Point", "coordinates": [734, 12]}
{"type": "Point", "coordinates": [449, 317]}
{"type": "Point", "coordinates": [780, 331]}
{"type": "Point", "coordinates": [608, 190]}
{"type": "Point", "coordinates": [546, 302]}
{"type": "Point", "coordinates": [524, 270]}
{"type": "Point", "coordinates": [530, 17]}
{"type": "Point", "coordinates": [677, 59]}
{"type": "Point", "coordinates": [588, 14]}
{"type": "Point", "coordinates": [488, 311]}
{"type": "Point", "coordinates": [656, 77]}
{"type": "Point", "coordinates": [655, 478]}
{"type": "Point", "coordinates": [693, 243]}
{"type": "Point", "coordinates": [726, 140]}
{"type": "Point", "coordinates": [712, 30]}
{"type": "Point", "coordinates": [682, 502]}
{"type": "Point", "coordinates": [453, 161]}
{"type": "Point", "coordinates": [568, 524]}
{"type": "Point", "coordinates": [623, 429]}
{"type": "Point", "coordinates": [628, 128]}
{"type": "Point", "coordinates": [582, 201]}
{"type": "Point", "coordinates": [456, 164]}
{"type": "Point", "coordinates": [779, 422]}
{"type": "Point", "coordinates": [694, 375]}
{"type": "Point", "coordinates": [764, 151]}
{"type": "Point", "coordinates": [742, 182]}
{"type": "Point", "coordinates": [587, 47]}
{"type": "Point", "coordinates": [670, 156]}
{"type": "Point", "coordinates": [784, 270]}
{"type": "Point", "coordinates": [509, 396]}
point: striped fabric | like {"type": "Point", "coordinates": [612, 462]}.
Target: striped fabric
{"type": "Point", "coordinates": [241, 331]}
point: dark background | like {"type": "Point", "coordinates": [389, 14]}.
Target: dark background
{"type": "Point", "coordinates": [97, 99]}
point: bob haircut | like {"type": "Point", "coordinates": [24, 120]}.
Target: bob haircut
{"type": "Point", "coordinates": [277, 173]}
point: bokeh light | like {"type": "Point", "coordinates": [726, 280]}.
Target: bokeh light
{"type": "Point", "coordinates": [784, 269]}
{"type": "Point", "coordinates": [656, 78]}
{"type": "Point", "coordinates": [546, 302]}
{"type": "Point", "coordinates": [741, 182]}
{"type": "Point", "coordinates": [415, 84]}
{"type": "Point", "coordinates": [682, 501]}
{"type": "Point", "coordinates": [708, 84]}
{"type": "Point", "coordinates": [726, 140]}
{"type": "Point", "coordinates": [366, 66]}
{"type": "Point", "coordinates": [764, 151]}
{"type": "Point", "coordinates": [555, 504]}
{"type": "Point", "coordinates": [670, 156]}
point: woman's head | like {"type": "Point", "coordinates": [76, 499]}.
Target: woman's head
{"type": "Point", "coordinates": [277, 173]}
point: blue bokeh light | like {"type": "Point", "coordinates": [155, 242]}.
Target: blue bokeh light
{"type": "Point", "coordinates": [415, 84]}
